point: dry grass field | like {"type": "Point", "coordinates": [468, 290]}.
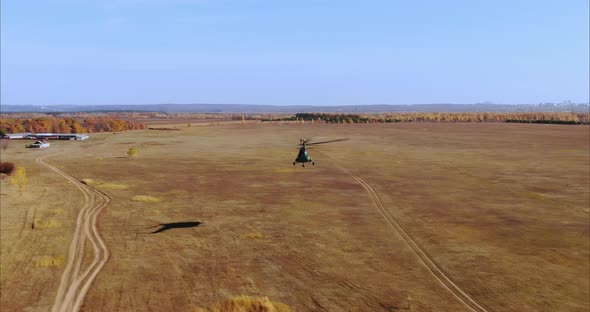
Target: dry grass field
{"type": "Point", "coordinates": [217, 211]}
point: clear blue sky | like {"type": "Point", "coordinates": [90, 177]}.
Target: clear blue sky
{"type": "Point", "coordinates": [294, 52]}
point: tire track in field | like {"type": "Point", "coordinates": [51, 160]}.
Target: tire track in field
{"type": "Point", "coordinates": [422, 256]}
{"type": "Point", "coordinates": [73, 284]}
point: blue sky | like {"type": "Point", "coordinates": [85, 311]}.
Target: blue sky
{"type": "Point", "coordinates": [293, 52]}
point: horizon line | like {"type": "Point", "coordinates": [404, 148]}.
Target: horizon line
{"type": "Point", "coordinates": [310, 105]}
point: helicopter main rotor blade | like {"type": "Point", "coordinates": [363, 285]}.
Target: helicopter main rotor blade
{"type": "Point", "coordinates": [323, 142]}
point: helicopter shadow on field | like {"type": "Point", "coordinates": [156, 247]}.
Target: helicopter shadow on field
{"type": "Point", "coordinates": [162, 227]}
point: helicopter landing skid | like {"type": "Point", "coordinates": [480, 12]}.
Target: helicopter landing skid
{"type": "Point", "coordinates": [303, 164]}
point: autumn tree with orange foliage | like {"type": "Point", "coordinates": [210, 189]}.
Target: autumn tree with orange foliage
{"type": "Point", "coordinates": [67, 125]}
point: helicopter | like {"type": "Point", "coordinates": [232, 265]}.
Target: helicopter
{"type": "Point", "coordinates": [303, 156]}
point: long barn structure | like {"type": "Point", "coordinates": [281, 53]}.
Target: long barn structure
{"type": "Point", "coordinates": [16, 136]}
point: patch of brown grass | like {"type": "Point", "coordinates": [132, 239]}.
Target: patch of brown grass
{"type": "Point", "coordinates": [114, 186]}
{"type": "Point", "coordinates": [253, 235]}
{"type": "Point", "coordinates": [88, 181]}
{"type": "Point", "coordinates": [288, 170]}
{"type": "Point", "coordinates": [247, 304]}
{"type": "Point", "coordinates": [145, 198]}
{"type": "Point", "coordinates": [55, 211]}
{"type": "Point", "coordinates": [46, 224]}
{"type": "Point", "coordinates": [48, 261]}
{"type": "Point", "coordinates": [106, 185]}
{"type": "Point", "coordinates": [165, 129]}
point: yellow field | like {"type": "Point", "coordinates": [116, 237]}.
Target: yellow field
{"type": "Point", "coordinates": [407, 216]}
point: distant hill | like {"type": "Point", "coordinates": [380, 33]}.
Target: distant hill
{"type": "Point", "coordinates": [247, 108]}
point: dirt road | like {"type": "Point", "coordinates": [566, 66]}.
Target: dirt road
{"type": "Point", "coordinates": [422, 256]}
{"type": "Point", "coordinates": [74, 285]}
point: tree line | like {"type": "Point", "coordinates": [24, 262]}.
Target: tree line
{"type": "Point", "coordinates": [525, 117]}
{"type": "Point", "coordinates": [66, 125]}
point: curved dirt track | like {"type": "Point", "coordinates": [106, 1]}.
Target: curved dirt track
{"type": "Point", "coordinates": [422, 256]}
{"type": "Point", "coordinates": [74, 285]}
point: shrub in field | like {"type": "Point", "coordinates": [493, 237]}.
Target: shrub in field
{"type": "Point", "coordinates": [7, 168]}
{"type": "Point", "coordinates": [132, 152]}
{"type": "Point", "coordinates": [19, 179]}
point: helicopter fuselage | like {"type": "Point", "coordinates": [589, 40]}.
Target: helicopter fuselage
{"type": "Point", "coordinates": [303, 157]}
